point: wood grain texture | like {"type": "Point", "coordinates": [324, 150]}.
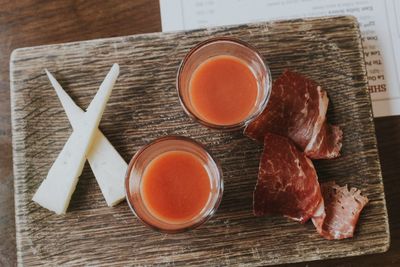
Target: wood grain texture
{"type": "Point", "coordinates": [36, 22]}
{"type": "Point", "coordinates": [27, 22]}
{"type": "Point", "coordinates": [144, 106]}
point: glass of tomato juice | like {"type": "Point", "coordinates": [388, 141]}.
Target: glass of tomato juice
{"type": "Point", "coordinates": [173, 184]}
{"type": "Point", "coordinates": [223, 83]}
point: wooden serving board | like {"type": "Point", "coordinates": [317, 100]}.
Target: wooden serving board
{"type": "Point", "coordinates": [144, 105]}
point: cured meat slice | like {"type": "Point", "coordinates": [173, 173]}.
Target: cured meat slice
{"type": "Point", "coordinates": [342, 210]}
{"type": "Point", "coordinates": [287, 182]}
{"type": "Point", "coordinates": [297, 109]}
{"type": "Point", "coordinates": [327, 143]}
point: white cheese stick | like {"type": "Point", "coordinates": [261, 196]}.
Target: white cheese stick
{"type": "Point", "coordinates": [56, 190]}
{"type": "Point", "coordinates": [108, 166]}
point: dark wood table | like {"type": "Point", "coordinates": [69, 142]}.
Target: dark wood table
{"type": "Point", "coordinates": [33, 22]}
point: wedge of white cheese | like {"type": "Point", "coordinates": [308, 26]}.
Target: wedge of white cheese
{"type": "Point", "coordinates": [56, 190]}
{"type": "Point", "coordinates": [108, 166]}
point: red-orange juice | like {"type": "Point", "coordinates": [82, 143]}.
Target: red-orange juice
{"type": "Point", "coordinates": [175, 186]}
{"type": "Point", "coordinates": [223, 90]}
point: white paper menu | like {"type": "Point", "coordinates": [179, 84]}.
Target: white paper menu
{"type": "Point", "coordinates": [379, 23]}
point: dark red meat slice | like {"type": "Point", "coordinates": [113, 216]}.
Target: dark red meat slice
{"type": "Point", "coordinates": [342, 209]}
{"type": "Point", "coordinates": [287, 182]}
{"type": "Point", "coordinates": [297, 109]}
{"type": "Point", "coordinates": [327, 143]}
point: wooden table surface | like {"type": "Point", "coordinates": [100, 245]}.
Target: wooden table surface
{"type": "Point", "coordinates": [33, 22]}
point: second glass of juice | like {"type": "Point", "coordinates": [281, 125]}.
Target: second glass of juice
{"type": "Point", "coordinates": [223, 83]}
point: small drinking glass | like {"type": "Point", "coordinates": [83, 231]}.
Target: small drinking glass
{"type": "Point", "coordinates": [224, 46]}
{"type": "Point", "coordinates": [142, 159]}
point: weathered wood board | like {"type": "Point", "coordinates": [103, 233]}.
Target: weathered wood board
{"type": "Point", "coordinates": [144, 105]}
